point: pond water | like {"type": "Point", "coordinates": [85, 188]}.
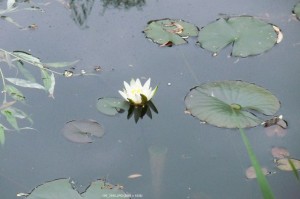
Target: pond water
{"type": "Point", "coordinates": [176, 155]}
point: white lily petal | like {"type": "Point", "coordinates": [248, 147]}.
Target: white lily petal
{"type": "Point", "coordinates": [127, 86]}
{"type": "Point", "coordinates": [138, 83]}
{"type": "Point", "coordinates": [132, 82]}
{"type": "Point", "coordinates": [147, 84]}
{"type": "Point", "coordinates": [124, 95]}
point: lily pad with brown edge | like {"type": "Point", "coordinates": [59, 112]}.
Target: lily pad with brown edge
{"type": "Point", "coordinates": [82, 131]}
{"type": "Point", "coordinates": [169, 32]}
{"type": "Point", "coordinates": [296, 10]}
{"type": "Point", "coordinates": [284, 164]}
{"type": "Point", "coordinates": [231, 103]}
{"type": "Point", "coordinates": [248, 36]}
{"type": "Point", "coordinates": [64, 189]}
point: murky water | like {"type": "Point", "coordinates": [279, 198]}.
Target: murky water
{"type": "Point", "coordinates": [176, 155]}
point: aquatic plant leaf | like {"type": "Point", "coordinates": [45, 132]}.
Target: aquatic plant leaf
{"type": "Point", "coordinates": [2, 135]}
{"type": "Point", "coordinates": [81, 131]}
{"type": "Point", "coordinates": [10, 20]}
{"type": "Point", "coordinates": [112, 106]}
{"type": "Point", "coordinates": [296, 10]}
{"type": "Point", "coordinates": [230, 104]}
{"type": "Point", "coordinates": [25, 72]}
{"type": "Point", "coordinates": [10, 4]}
{"type": "Point", "coordinates": [168, 32]}
{"type": "Point", "coordinates": [25, 83]}
{"type": "Point", "coordinates": [60, 64]}
{"type": "Point", "coordinates": [284, 164]}
{"type": "Point", "coordinates": [101, 189]}
{"type": "Point", "coordinates": [248, 35]}
{"type": "Point", "coordinates": [7, 104]}
{"type": "Point", "coordinates": [60, 189]}
{"type": "Point", "coordinates": [49, 81]}
{"type": "Point", "coordinates": [26, 57]}
{"type": "Point", "coordinates": [261, 179]}
{"type": "Point", "coordinates": [11, 118]}
{"type": "Point", "coordinates": [14, 92]}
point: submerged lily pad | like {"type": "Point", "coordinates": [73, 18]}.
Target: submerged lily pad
{"type": "Point", "coordinates": [248, 35]}
{"type": "Point", "coordinates": [287, 164]}
{"type": "Point", "coordinates": [112, 106]}
{"type": "Point", "coordinates": [63, 189]}
{"type": "Point", "coordinates": [230, 104]}
{"type": "Point", "coordinates": [296, 10]}
{"type": "Point", "coordinates": [168, 32]}
{"type": "Point", "coordinates": [81, 131]}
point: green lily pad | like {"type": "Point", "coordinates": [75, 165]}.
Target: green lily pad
{"type": "Point", "coordinates": [112, 106]}
{"type": "Point", "coordinates": [168, 32]}
{"type": "Point", "coordinates": [296, 10]}
{"type": "Point", "coordinates": [60, 188]}
{"type": "Point", "coordinates": [63, 189]}
{"type": "Point", "coordinates": [81, 131]}
{"type": "Point", "coordinates": [248, 35]}
{"type": "Point", "coordinates": [230, 104]}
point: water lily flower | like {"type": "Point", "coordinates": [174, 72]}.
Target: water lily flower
{"type": "Point", "coordinates": [137, 94]}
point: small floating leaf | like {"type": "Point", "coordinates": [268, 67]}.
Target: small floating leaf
{"type": "Point", "coordinates": [168, 32]}
{"type": "Point", "coordinates": [251, 174]}
{"type": "Point", "coordinates": [284, 164]}
{"type": "Point", "coordinates": [7, 104]}
{"type": "Point", "coordinates": [230, 104]}
{"type": "Point", "coordinates": [280, 152]}
{"type": "Point", "coordinates": [81, 131]}
{"type": "Point", "coordinates": [25, 83]}
{"type": "Point", "coordinates": [249, 36]}
{"type": "Point", "coordinates": [60, 188]}
{"type": "Point", "coordinates": [296, 10]}
{"type": "Point", "coordinates": [112, 106]}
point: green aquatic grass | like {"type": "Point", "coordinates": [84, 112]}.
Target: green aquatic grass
{"type": "Point", "coordinates": [261, 179]}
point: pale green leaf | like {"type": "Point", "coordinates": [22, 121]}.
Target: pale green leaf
{"type": "Point", "coordinates": [10, 118]}
{"type": "Point", "coordinates": [60, 64]}
{"type": "Point", "coordinates": [112, 106]}
{"type": "Point", "coordinates": [296, 10]}
{"type": "Point", "coordinates": [25, 83]}
{"type": "Point", "coordinates": [10, 4]}
{"type": "Point", "coordinates": [2, 135]}
{"type": "Point", "coordinates": [10, 20]}
{"type": "Point", "coordinates": [14, 92]}
{"type": "Point", "coordinates": [24, 71]}
{"type": "Point", "coordinates": [49, 81]}
{"type": "Point", "coordinates": [27, 57]}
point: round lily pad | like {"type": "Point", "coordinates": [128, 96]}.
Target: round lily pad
{"type": "Point", "coordinates": [81, 131]}
{"type": "Point", "coordinates": [230, 104]}
{"type": "Point", "coordinates": [168, 32]}
{"type": "Point", "coordinates": [248, 35]}
{"type": "Point", "coordinates": [296, 10]}
{"type": "Point", "coordinates": [112, 106]}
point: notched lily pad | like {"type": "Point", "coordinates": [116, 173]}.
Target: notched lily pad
{"type": "Point", "coordinates": [169, 32]}
{"type": "Point", "coordinates": [248, 35]}
{"type": "Point", "coordinates": [112, 106]}
{"type": "Point", "coordinates": [82, 131]}
{"type": "Point", "coordinates": [296, 10]}
{"type": "Point", "coordinates": [230, 104]}
{"type": "Point", "coordinates": [63, 189]}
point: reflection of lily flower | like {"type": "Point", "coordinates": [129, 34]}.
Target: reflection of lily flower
{"type": "Point", "coordinates": [138, 112]}
{"type": "Point", "coordinates": [137, 94]}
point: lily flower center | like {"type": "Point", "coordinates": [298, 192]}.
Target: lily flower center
{"type": "Point", "coordinates": [136, 91]}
